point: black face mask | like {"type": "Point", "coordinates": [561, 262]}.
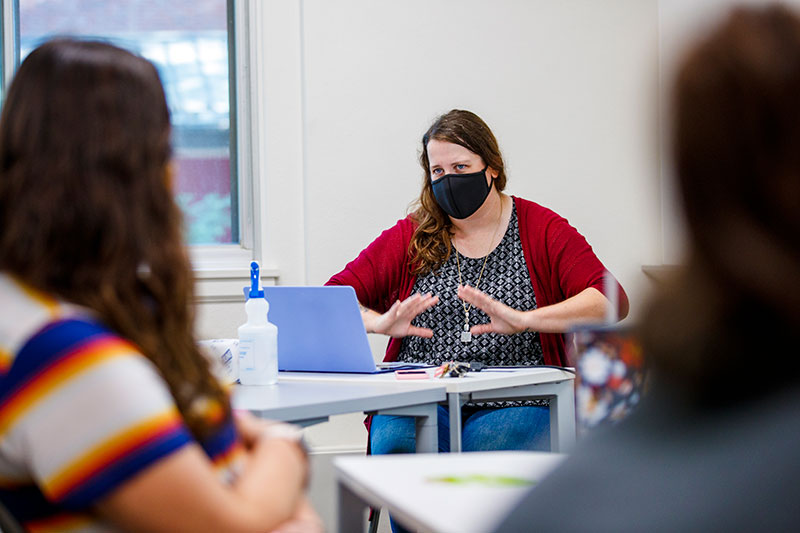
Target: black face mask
{"type": "Point", "coordinates": [460, 195]}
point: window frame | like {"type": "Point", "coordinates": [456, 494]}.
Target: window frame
{"type": "Point", "coordinates": [224, 263]}
{"type": "Point", "coordinates": [10, 40]}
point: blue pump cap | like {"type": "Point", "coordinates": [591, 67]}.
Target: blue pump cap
{"type": "Point", "coordinates": [253, 291]}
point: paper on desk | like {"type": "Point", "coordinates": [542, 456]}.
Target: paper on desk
{"type": "Point", "coordinates": [223, 354]}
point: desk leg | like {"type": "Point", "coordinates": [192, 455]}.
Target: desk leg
{"type": "Point", "coordinates": [427, 430]}
{"type": "Point", "coordinates": [562, 417]}
{"type": "Point", "coordinates": [454, 406]}
{"type": "Point", "coordinates": [351, 510]}
{"type": "Point", "coordinates": [426, 424]}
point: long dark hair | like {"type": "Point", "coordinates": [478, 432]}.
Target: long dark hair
{"type": "Point", "coordinates": [430, 244]}
{"type": "Point", "coordinates": [86, 212]}
{"type": "Point", "coordinates": [736, 142]}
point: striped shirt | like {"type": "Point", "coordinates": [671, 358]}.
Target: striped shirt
{"type": "Point", "coordinates": [81, 412]}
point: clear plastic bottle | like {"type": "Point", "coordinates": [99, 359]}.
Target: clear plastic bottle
{"type": "Point", "coordinates": [258, 338]}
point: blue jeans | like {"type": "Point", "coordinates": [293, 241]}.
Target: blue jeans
{"type": "Point", "coordinates": [510, 428]}
{"type": "Point", "coordinates": [523, 428]}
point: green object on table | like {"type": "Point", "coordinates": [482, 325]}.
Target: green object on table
{"type": "Point", "coordinates": [483, 479]}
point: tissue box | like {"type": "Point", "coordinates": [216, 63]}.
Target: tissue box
{"type": "Point", "coordinates": [224, 357]}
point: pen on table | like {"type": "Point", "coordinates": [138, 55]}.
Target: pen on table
{"type": "Point", "coordinates": [411, 374]}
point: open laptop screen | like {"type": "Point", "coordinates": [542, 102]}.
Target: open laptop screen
{"type": "Point", "coordinates": [319, 329]}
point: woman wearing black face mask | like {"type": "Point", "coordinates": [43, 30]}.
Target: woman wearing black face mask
{"type": "Point", "coordinates": [475, 275]}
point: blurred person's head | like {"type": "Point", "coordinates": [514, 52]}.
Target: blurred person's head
{"type": "Point", "coordinates": [86, 210]}
{"type": "Point", "coordinates": [736, 142]}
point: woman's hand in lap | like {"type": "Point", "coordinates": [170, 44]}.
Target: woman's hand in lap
{"type": "Point", "coordinates": [305, 520]}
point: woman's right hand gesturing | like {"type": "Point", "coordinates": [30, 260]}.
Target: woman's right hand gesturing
{"type": "Point", "coordinates": [396, 322]}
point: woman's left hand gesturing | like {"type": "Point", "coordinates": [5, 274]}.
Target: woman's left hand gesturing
{"type": "Point", "coordinates": [588, 306]}
{"type": "Point", "coordinates": [502, 318]}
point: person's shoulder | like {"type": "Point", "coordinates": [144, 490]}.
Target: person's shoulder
{"type": "Point", "coordinates": [78, 343]}
{"type": "Point", "coordinates": [74, 332]}
{"type": "Point", "coordinates": [532, 208]}
{"type": "Point", "coordinates": [37, 330]}
{"type": "Point", "coordinates": [389, 247]}
{"type": "Point", "coordinates": [408, 223]}
{"type": "Point", "coordinates": [532, 212]}
{"type": "Point", "coordinates": [403, 229]}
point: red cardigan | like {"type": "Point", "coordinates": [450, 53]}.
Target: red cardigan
{"type": "Point", "coordinates": [560, 262]}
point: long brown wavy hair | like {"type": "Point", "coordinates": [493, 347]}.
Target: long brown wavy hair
{"type": "Point", "coordinates": [86, 212]}
{"type": "Point", "coordinates": [430, 245]}
{"type": "Point", "coordinates": [736, 141]}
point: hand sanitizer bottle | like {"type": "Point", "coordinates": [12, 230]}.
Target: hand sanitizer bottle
{"type": "Point", "coordinates": [258, 338]}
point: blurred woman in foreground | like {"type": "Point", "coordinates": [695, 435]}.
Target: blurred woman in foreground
{"type": "Point", "coordinates": [109, 416]}
{"type": "Point", "coordinates": [714, 445]}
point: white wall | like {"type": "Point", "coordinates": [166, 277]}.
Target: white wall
{"type": "Point", "coordinates": [569, 88]}
{"type": "Point", "coordinates": [573, 90]}
{"type": "Point", "coordinates": [347, 88]}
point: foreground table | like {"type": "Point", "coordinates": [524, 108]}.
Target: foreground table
{"type": "Point", "coordinates": [488, 385]}
{"type": "Point", "coordinates": [307, 403]}
{"type": "Point", "coordinates": [442, 493]}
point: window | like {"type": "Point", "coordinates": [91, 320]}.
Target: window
{"type": "Point", "coordinates": [190, 44]}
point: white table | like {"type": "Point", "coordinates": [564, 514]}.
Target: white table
{"type": "Point", "coordinates": [307, 402]}
{"type": "Point", "coordinates": [410, 486]}
{"type": "Point", "coordinates": [487, 385]}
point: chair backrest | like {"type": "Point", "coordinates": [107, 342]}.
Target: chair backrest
{"type": "Point", "coordinates": [9, 524]}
